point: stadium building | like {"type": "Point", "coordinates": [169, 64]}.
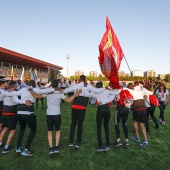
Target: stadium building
{"type": "Point", "coordinates": [44, 71]}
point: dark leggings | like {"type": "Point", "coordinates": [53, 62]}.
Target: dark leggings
{"type": "Point", "coordinates": [77, 116]}
{"type": "Point", "coordinates": [150, 111]}
{"type": "Point", "coordinates": [24, 120]}
{"type": "Point", "coordinates": [103, 114]}
{"type": "Point", "coordinates": [161, 108]}
{"type": "Point", "coordinates": [121, 114]}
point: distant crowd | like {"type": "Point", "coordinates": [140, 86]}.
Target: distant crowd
{"type": "Point", "coordinates": [6, 72]}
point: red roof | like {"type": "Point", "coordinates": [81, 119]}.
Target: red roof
{"type": "Point", "coordinates": [13, 57]}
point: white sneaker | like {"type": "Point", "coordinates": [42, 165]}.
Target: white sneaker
{"type": "Point", "coordinates": [163, 123]}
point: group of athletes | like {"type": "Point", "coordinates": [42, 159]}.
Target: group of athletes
{"type": "Point", "coordinates": [17, 107]}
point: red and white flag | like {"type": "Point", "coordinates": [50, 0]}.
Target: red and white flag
{"type": "Point", "coordinates": [111, 55]}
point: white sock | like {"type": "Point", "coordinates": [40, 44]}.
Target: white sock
{"type": "Point", "coordinates": [6, 146]}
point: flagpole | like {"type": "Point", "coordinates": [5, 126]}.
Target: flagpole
{"type": "Point", "coordinates": [128, 66]}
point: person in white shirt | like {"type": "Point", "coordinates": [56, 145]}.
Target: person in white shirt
{"type": "Point", "coordinates": [139, 112]}
{"type": "Point", "coordinates": [150, 112]}
{"type": "Point", "coordinates": [103, 114]}
{"type": "Point", "coordinates": [63, 86]}
{"type": "Point", "coordinates": [2, 88]}
{"type": "Point", "coordinates": [26, 116]}
{"type": "Point", "coordinates": [123, 83]}
{"type": "Point", "coordinates": [163, 97]}
{"type": "Point", "coordinates": [54, 114]}
{"type": "Point", "coordinates": [69, 85]}
{"type": "Point", "coordinates": [123, 104]}
{"type": "Point", "coordinates": [79, 108]}
{"type": "Point", "coordinates": [59, 83]}
{"type": "Point", "coordinates": [10, 106]}
{"type": "Point", "coordinates": [19, 85]}
{"type": "Point", "coordinates": [39, 86]}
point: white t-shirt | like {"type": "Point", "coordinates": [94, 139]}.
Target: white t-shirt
{"type": "Point", "coordinates": [26, 95]}
{"type": "Point", "coordinates": [105, 96]}
{"type": "Point", "coordinates": [138, 92]}
{"type": "Point", "coordinates": [162, 96]}
{"type": "Point", "coordinates": [63, 85]}
{"type": "Point", "coordinates": [53, 103]}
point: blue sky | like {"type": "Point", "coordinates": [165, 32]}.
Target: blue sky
{"type": "Point", "coordinates": [51, 29]}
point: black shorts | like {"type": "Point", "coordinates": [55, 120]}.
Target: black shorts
{"type": "Point", "coordinates": [140, 116]}
{"type": "Point", "coordinates": [10, 122]}
{"type": "Point", "coordinates": [1, 117]}
{"type": "Point", "coordinates": [53, 121]}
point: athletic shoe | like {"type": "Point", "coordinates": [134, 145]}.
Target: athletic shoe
{"type": "Point", "coordinates": [2, 145]}
{"type": "Point", "coordinates": [163, 123]}
{"type": "Point", "coordinates": [106, 148]}
{"type": "Point", "coordinates": [160, 120]}
{"type": "Point", "coordinates": [100, 149]}
{"type": "Point", "coordinates": [18, 150]}
{"type": "Point", "coordinates": [144, 144]}
{"type": "Point", "coordinates": [126, 144]}
{"type": "Point", "coordinates": [135, 139]}
{"type": "Point", "coordinates": [51, 150]}
{"type": "Point", "coordinates": [7, 150]}
{"type": "Point", "coordinates": [71, 144]}
{"type": "Point", "coordinates": [56, 149]}
{"type": "Point", "coordinates": [77, 146]}
{"type": "Point", "coordinates": [26, 153]}
{"type": "Point", "coordinates": [117, 143]}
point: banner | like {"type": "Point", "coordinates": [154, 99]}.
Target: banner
{"type": "Point", "coordinates": [110, 56]}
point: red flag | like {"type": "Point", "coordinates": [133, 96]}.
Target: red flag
{"type": "Point", "coordinates": [111, 55]}
{"type": "Point", "coordinates": [12, 73]}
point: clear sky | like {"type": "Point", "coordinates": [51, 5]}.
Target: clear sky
{"type": "Point", "coordinates": [51, 29]}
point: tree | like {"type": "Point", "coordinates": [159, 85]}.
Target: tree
{"type": "Point", "coordinates": [167, 77]}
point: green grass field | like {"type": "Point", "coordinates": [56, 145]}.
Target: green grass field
{"type": "Point", "coordinates": [156, 156]}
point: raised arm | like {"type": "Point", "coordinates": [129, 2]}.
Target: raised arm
{"type": "Point", "coordinates": [114, 91]}
{"type": "Point", "coordinates": [70, 99]}
{"type": "Point", "coordinates": [35, 95]}
{"type": "Point", "coordinates": [43, 91]}
{"type": "Point", "coordinates": [70, 89]}
{"type": "Point", "coordinates": [95, 90]}
{"type": "Point", "coordinates": [12, 93]}
{"type": "Point", "coordinates": [26, 102]}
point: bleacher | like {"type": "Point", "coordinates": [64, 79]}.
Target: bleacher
{"type": "Point", "coordinates": [42, 75]}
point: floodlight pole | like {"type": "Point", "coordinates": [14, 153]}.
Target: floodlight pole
{"type": "Point", "coordinates": [67, 57]}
